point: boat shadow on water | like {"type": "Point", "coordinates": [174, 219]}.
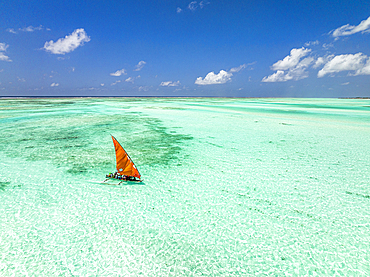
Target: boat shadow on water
{"type": "Point", "coordinates": [117, 183]}
{"type": "Point", "coordinates": [126, 183]}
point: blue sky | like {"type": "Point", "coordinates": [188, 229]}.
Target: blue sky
{"type": "Point", "coordinates": [185, 48]}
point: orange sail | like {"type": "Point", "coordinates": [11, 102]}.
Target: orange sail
{"type": "Point", "coordinates": [125, 166]}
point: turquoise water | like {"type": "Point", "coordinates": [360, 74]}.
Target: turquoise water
{"type": "Point", "coordinates": [231, 187]}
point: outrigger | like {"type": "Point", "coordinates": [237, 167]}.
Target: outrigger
{"type": "Point", "coordinates": [126, 169]}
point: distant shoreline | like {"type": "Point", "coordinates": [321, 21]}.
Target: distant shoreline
{"type": "Point", "coordinates": [64, 97]}
{"type": "Point", "coordinates": [364, 97]}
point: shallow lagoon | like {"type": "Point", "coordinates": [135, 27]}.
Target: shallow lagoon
{"type": "Point", "coordinates": [232, 187]}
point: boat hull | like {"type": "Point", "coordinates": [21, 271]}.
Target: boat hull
{"type": "Point", "coordinates": [126, 181]}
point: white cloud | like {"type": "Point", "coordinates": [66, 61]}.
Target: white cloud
{"type": "Point", "coordinates": [326, 46]}
{"type": "Point", "coordinates": [31, 29]}
{"type": "Point", "coordinates": [291, 60]}
{"type": "Point", "coordinates": [25, 29]}
{"type": "Point", "coordinates": [67, 44]}
{"type": "Point", "coordinates": [139, 66]}
{"type": "Point", "coordinates": [278, 76]}
{"type": "Point", "coordinates": [142, 88]}
{"type": "Point", "coordinates": [347, 62]}
{"type": "Point", "coordinates": [11, 30]}
{"type": "Point", "coordinates": [119, 73]}
{"type": "Point", "coordinates": [63, 58]}
{"type": "Point", "coordinates": [309, 43]}
{"type": "Point", "coordinates": [54, 85]}
{"type": "Point", "coordinates": [179, 10]}
{"type": "Point", "coordinates": [130, 79]}
{"type": "Point", "coordinates": [202, 4]}
{"type": "Point", "coordinates": [170, 84]}
{"type": "Point", "coordinates": [298, 72]}
{"type": "Point", "coordinates": [102, 85]}
{"type": "Point", "coordinates": [241, 67]}
{"type": "Point", "coordinates": [319, 62]}
{"type": "Point", "coordinates": [237, 69]}
{"type": "Point", "coordinates": [221, 78]}
{"type": "Point", "coordinates": [116, 82]}
{"type": "Point", "coordinates": [347, 29]}
{"type": "Point", "coordinates": [3, 48]}
{"type": "Point", "coordinates": [365, 70]}
{"type": "Point", "coordinates": [306, 62]}
{"type": "Point", "coordinates": [193, 6]}
{"type": "Point", "coordinates": [345, 84]}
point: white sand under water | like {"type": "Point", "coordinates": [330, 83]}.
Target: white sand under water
{"type": "Point", "coordinates": [231, 187]}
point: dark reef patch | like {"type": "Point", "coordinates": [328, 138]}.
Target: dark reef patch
{"type": "Point", "coordinates": [3, 185]}
{"type": "Point", "coordinates": [80, 142]}
{"type": "Point", "coordinates": [358, 194]}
